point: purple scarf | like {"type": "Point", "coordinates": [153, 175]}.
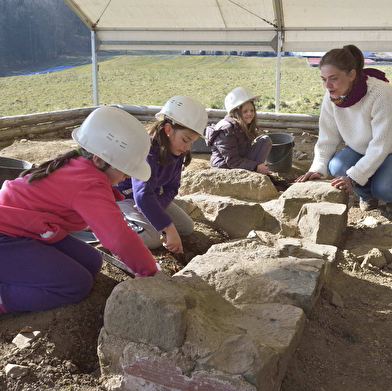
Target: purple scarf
{"type": "Point", "coordinates": [359, 89]}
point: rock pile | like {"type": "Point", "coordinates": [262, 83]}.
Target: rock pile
{"type": "Point", "coordinates": [232, 318]}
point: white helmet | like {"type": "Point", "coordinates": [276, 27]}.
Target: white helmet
{"type": "Point", "coordinates": [185, 111]}
{"type": "Point", "coordinates": [118, 138]}
{"type": "Point", "coordinates": [238, 97]}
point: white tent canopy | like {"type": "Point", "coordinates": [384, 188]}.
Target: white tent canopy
{"type": "Point", "coordinates": [255, 25]}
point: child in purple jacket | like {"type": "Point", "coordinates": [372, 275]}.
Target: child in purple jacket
{"type": "Point", "coordinates": [149, 205]}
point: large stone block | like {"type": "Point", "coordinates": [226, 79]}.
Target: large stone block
{"type": "Point", "coordinates": [152, 313]}
{"type": "Point", "coordinates": [225, 348]}
{"type": "Point", "coordinates": [301, 193]}
{"type": "Point", "coordinates": [248, 276]}
{"type": "Point", "coordinates": [323, 223]}
{"type": "Point", "coordinates": [236, 183]}
{"type": "Point", "coordinates": [237, 217]}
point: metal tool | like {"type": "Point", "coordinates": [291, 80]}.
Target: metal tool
{"type": "Point", "coordinates": [117, 263]}
{"type": "Point", "coordinates": [89, 237]}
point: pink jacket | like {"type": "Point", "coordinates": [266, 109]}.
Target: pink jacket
{"type": "Point", "coordinates": [73, 197]}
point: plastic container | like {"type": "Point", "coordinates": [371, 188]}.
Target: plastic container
{"type": "Point", "coordinates": [280, 158]}
{"type": "Point", "coordinates": [11, 168]}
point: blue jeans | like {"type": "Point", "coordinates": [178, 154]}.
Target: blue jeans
{"type": "Point", "coordinates": [379, 185]}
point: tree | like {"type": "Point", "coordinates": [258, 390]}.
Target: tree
{"type": "Point", "coordinates": [35, 30]}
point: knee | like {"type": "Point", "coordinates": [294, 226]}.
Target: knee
{"type": "Point", "coordinates": [265, 141]}
{"type": "Point", "coordinates": [188, 228]}
{"type": "Point", "coordinates": [268, 141]}
{"type": "Point", "coordinates": [151, 239]}
{"type": "Point", "coordinates": [79, 288]}
{"type": "Point", "coordinates": [337, 168]}
{"type": "Point", "coordinates": [95, 264]}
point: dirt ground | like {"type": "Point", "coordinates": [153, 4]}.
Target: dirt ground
{"type": "Point", "coordinates": [344, 348]}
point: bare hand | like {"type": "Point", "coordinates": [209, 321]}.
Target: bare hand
{"type": "Point", "coordinates": [173, 241]}
{"type": "Point", "coordinates": [309, 175]}
{"type": "Point", "coordinates": [262, 168]}
{"type": "Point", "coordinates": [342, 183]}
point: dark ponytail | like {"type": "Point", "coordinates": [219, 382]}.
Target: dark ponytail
{"type": "Point", "coordinates": [46, 168]}
{"type": "Point", "coordinates": [345, 59]}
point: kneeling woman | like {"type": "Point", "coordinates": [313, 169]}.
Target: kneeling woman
{"type": "Point", "coordinates": [357, 110]}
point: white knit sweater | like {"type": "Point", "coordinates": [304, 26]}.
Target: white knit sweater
{"type": "Point", "coordinates": [365, 127]}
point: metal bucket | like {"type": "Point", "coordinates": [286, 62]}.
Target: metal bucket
{"type": "Point", "coordinates": [11, 168]}
{"type": "Point", "coordinates": [280, 158]}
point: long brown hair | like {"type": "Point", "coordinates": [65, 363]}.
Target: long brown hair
{"type": "Point", "coordinates": [46, 168]}
{"type": "Point", "coordinates": [251, 129]}
{"type": "Point", "coordinates": [159, 138]}
{"type": "Point", "coordinates": [345, 59]}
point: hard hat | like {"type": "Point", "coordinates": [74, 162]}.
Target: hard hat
{"type": "Point", "coordinates": [185, 111]}
{"type": "Point", "coordinates": [118, 138]}
{"type": "Point", "coordinates": [238, 97]}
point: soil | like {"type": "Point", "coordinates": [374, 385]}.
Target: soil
{"type": "Point", "coordinates": [343, 347]}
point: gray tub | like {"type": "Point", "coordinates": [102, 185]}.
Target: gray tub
{"type": "Point", "coordinates": [11, 168]}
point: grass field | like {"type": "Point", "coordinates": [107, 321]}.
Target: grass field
{"type": "Point", "coordinates": [152, 79]}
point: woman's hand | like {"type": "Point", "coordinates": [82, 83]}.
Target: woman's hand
{"type": "Point", "coordinates": [173, 241]}
{"type": "Point", "coordinates": [309, 175]}
{"type": "Point", "coordinates": [262, 168]}
{"type": "Point", "coordinates": [342, 183]}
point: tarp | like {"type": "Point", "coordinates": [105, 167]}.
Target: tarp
{"type": "Point", "coordinates": [306, 25]}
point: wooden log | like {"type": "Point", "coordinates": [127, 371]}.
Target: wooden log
{"type": "Point", "coordinates": [62, 115]}
{"type": "Point", "coordinates": [21, 132]}
{"type": "Point", "coordinates": [17, 126]}
{"type": "Point", "coordinates": [287, 125]}
{"type": "Point", "coordinates": [40, 118]}
{"type": "Point", "coordinates": [145, 118]}
{"type": "Point", "coordinates": [276, 124]}
{"type": "Point", "coordinates": [291, 117]}
{"type": "Point", "coordinates": [140, 110]}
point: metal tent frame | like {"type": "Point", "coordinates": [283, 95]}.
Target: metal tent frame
{"type": "Point", "coordinates": [243, 25]}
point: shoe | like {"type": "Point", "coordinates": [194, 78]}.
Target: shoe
{"type": "Point", "coordinates": [371, 204]}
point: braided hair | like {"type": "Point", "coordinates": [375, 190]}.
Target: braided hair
{"type": "Point", "coordinates": [46, 168]}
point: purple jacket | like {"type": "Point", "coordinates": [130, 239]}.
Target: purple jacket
{"type": "Point", "coordinates": [229, 146]}
{"type": "Point", "coordinates": [155, 195]}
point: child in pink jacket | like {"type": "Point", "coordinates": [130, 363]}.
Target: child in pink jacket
{"type": "Point", "coordinates": [41, 265]}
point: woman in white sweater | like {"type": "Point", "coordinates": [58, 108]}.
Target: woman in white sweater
{"type": "Point", "coordinates": [357, 109]}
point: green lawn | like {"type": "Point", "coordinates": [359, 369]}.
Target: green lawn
{"type": "Point", "coordinates": [152, 79]}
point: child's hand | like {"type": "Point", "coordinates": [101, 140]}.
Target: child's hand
{"type": "Point", "coordinates": [173, 241]}
{"type": "Point", "coordinates": [262, 168]}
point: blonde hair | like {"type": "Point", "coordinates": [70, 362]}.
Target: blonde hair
{"type": "Point", "coordinates": [251, 129]}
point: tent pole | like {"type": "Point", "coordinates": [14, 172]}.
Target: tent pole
{"type": "Point", "coordinates": [94, 58]}
{"type": "Point", "coordinates": [278, 57]}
